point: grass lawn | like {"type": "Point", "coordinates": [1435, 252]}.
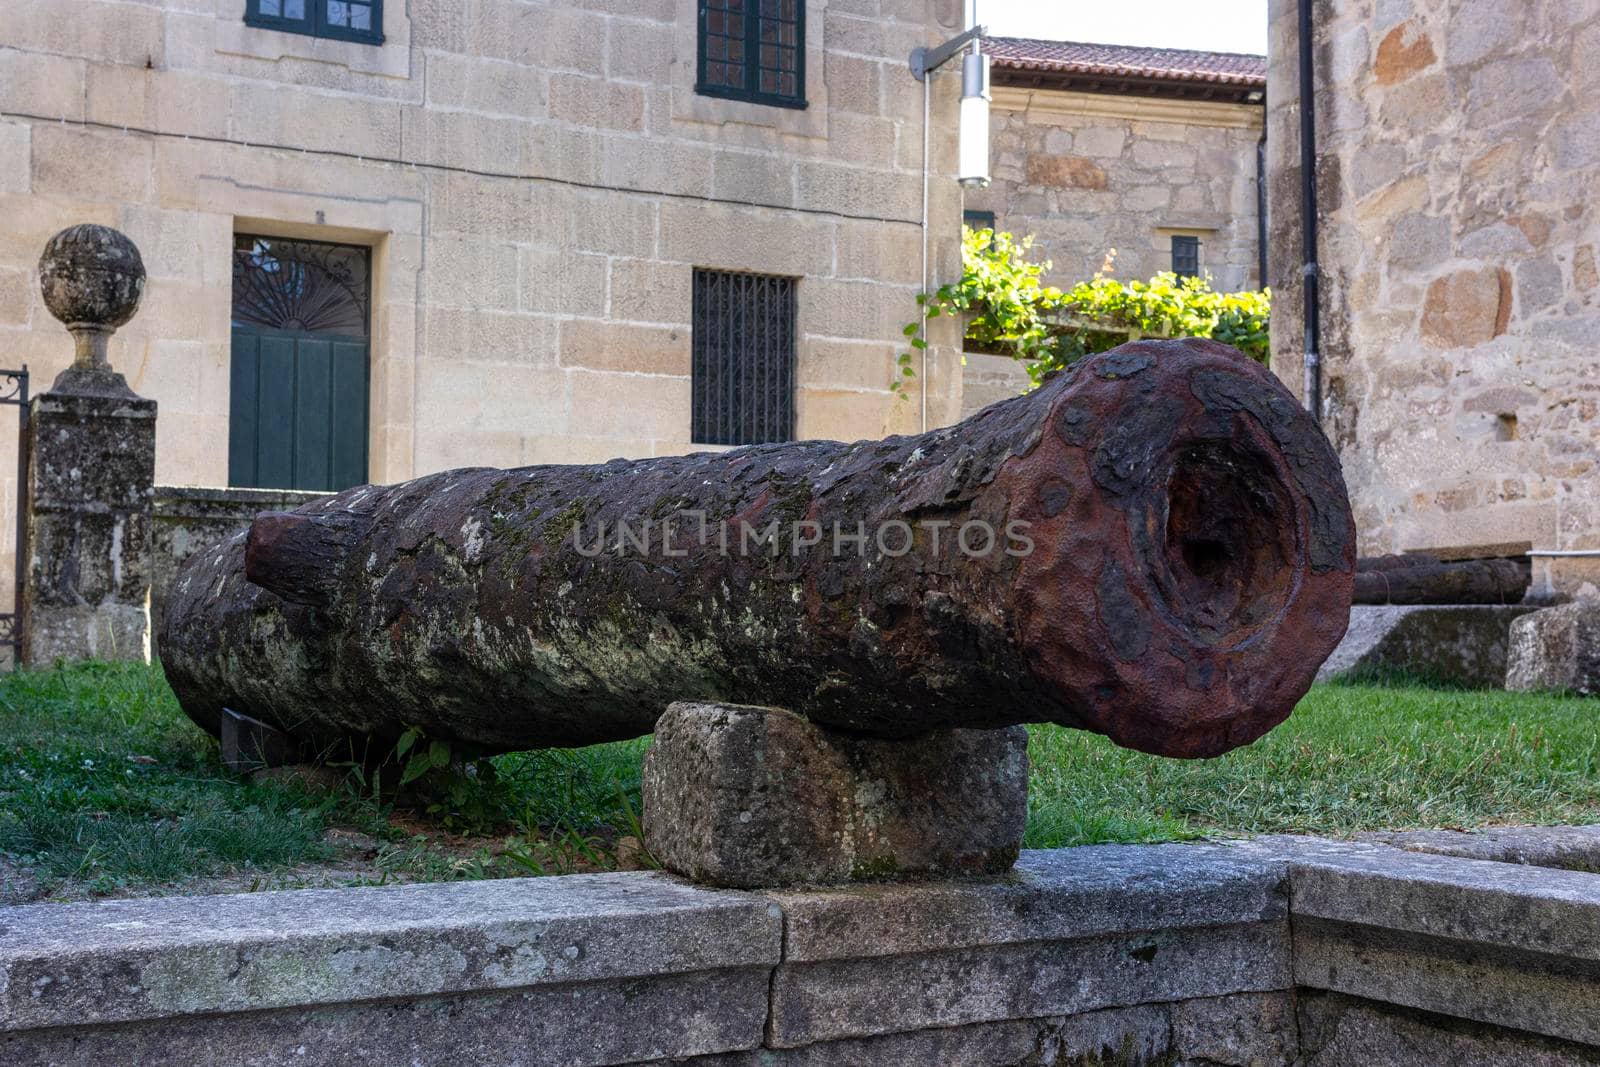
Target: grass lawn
{"type": "Point", "coordinates": [105, 788]}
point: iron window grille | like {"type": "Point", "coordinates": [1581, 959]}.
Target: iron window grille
{"type": "Point", "coordinates": [340, 20]}
{"type": "Point", "coordinates": [301, 286]}
{"type": "Point", "coordinates": [1185, 256]}
{"type": "Point", "coordinates": [753, 50]}
{"type": "Point", "coordinates": [743, 366]}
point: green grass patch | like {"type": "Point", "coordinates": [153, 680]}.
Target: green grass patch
{"type": "Point", "coordinates": [106, 787]}
{"type": "Point", "coordinates": [1351, 758]}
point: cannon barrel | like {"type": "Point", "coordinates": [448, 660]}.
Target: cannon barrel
{"type": "Point", "coordinates": [1155, 545]}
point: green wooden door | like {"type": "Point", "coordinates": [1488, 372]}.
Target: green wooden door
{"type": "Point", "coordinates": [299, 379]}
{"type": "Point", "coordinates": [298, 411]}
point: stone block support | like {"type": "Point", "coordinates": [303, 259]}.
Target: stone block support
{"type": "Point", "coordinates": [749, 797]}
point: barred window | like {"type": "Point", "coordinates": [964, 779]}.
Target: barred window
{"type": "Point", "coordinates": [1185, 256]}
{"type": "Point", "coordinates": [742, 372]}
{"type": "Point", "coordinates": [345, 20]}
{"type": "Point", "coordinates": [753, 50]}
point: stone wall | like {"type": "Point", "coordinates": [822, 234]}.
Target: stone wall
{"type": "Point", "coordinates": [1267, 953]}
{"type": "Point", "coordinates": [1458, 169]}
{"type": "Point", "coordinates": [537, 181]}
{"type": "Point", "coordinates": [1087, 173]}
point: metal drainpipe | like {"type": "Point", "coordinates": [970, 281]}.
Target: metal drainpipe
{"type": "Point", "coordinates": [922, 319]}
{"type": "Point", "coordinates": [1261, 210]}
{"type": "Point", "coordinates": [1308, 215]}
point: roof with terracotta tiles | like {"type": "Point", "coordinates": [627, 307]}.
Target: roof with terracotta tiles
{"type": "Point", "coordinates": [1018, 59]}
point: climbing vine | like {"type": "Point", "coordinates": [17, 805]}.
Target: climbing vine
{"type": "Point", "coordinates": [1010, 311]}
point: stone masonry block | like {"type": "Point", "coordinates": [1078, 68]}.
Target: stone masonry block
{"type": "Point", "coordinates": [744, 796]}
{"type": "Point", "coordinates": [608, 346]}
{"type": "Point", "coordinates": [1557, 649]}
{"type": "Point", "coordinates": [1465, 644]}
{"type": "Point", "coordinates": [586, 1024]}
{"type": "Point", "coordinates": [168, 958]}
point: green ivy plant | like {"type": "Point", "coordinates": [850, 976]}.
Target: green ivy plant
{"type": "Point", "coordinates": [1010, 311]}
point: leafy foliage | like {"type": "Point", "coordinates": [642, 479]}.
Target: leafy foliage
{"type": "Point", "coordinates": [1010, 311]}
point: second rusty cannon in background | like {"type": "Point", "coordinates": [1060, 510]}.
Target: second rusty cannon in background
{"type": "Point", "coordinates": [1155, 545]}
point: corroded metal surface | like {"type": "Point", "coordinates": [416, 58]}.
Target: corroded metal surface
{"type": "Point", "coordinates": [1173, 559]}
{"type": "Point", "coordinates": [1422, 579]}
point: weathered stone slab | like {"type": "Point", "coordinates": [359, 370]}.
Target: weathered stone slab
{"type": "Point", "coordinates": [583, 1025]}
{"type": "Point", "coordinates": [1575, 848]}
{"type": "Point", "coordinates": [1557, 649]}
{"type": "Point", "coordinates": [1533, 909]}
{"type": "Point", "coordinates": [1338, 1031]}
{"type": "Point", "coordinates": [1178, 955]}
{"type": "Point", "coordinates": [1510, 946]}
{"type": "Point", "coordinates": [1465, 644]}
{"type": "Point", "coordinates": [128, 960]}
{"type": "Point", "coordinates": [1246, 1030]}
{"type": "Point", "coordinates": [875, 995]}
{"type": "Point", "coordinates": [1091, 928]}
{"type": "Point", "coordinates": [1052, 895]}
{"type": "Point", "coordinates": [751, 797]}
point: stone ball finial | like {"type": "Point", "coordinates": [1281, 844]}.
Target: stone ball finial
{"type": "Point", "coordinates": [92, 278]}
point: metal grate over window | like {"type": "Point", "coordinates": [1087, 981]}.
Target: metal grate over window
{"type": "Point", "coordinates": [753, 50]}
{"type": "Point", "coordinates": [301, 286]}
{"type": "Point", "coordinates": [1185, 256]}
{"type": "Point", "coordinates": [345, 20]}
{"type": "Point", "coordinates": [742, 373]}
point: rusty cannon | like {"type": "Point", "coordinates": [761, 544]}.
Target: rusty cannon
{"type": "Point", "coordinates": [1155, 545]}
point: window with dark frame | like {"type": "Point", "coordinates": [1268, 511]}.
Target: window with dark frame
{"type": "Point", "coordinates": [753, 50]}
{"type": "Point", "coordinates": [978, 220]}
{"type": "Point", "coordinates": [743, 364]}
{"type": "Point", "coordinates": [340, 20]}
{"type": "Point", "coordinates": [1185, 256]}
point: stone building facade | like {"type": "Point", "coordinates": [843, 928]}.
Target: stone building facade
{"type": "Point", "coordinates": [1124, 156]}
{"type": "Point", "coordinates": [530, 187]}
{"type": "Point", "coordinates": [1458, 148]}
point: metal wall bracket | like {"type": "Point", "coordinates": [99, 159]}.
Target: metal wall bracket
{"type": "Point", "coordinates": [924, 60]}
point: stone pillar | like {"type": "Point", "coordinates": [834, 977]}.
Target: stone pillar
{"type": "Point", "coordinates": [91, 467]}
{"type": "Point", "coordinates": [758, 797]}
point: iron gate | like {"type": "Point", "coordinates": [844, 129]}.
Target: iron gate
{"type": "Point", "coordinates": [14, 391]}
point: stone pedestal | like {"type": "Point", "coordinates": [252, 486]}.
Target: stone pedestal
{"type": "Point", "coordinates": [91, 479]}
{"type": "Point", "coordinates": [1557, 649]}
{"type": "Point", "coordinates": [750, 797]}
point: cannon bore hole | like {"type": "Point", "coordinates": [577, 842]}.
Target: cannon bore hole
{"type": "Point", "coordinates": [1204, 557]}
{"type": "Point", "coordinates": [1229, 539]}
